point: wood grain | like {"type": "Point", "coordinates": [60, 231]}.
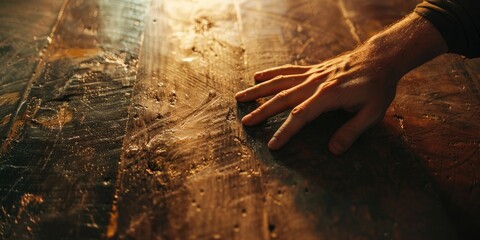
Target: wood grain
{"type": "Point", "coordinates": [59, 162]}
{"type": "Point", "coordinates": [118, 121]}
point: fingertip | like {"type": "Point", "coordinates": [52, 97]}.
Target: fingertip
{"type": "Point", "coordinates": [346, 136]}
{"type": "Point", "coordinates": [247, 120]}
{"type": "Point", "coordinates": [342, 140]}
{"type": "Point", "coordinates": [240, 95]}
{"type": "Point", "coordinates": [336, 148]}
{"type": "Point", "coordinates": [274, 144]}
{"type": "Point", "coordinates": [258, 76]}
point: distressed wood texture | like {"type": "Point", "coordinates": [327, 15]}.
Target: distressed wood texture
{"type": "Point", "coordinates": [118, 120]}
{"type": "Point", "coordinates": [59, 159]}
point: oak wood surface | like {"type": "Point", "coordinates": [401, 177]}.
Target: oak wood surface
{"type": "Point", "coordinates": [118, 121]}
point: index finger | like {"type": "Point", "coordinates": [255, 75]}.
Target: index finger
{"type": "Point", "coordinates": [288, 69]}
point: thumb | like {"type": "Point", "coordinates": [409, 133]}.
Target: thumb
{"type": "Point", "coordinates": [351, 130]}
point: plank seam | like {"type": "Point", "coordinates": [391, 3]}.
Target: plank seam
{"type": "Point", "coordinates": [112, 227]}
{"type": "Point", "coordinates": [36, 73]}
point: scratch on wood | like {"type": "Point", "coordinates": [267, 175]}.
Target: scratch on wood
{"type": "Point", "coordinates": [17, 124]}
{"type": "Point", "coordinates": [348, 21]}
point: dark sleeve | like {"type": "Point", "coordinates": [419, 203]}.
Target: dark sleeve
{"type": "Point", "coordinates": [458, 21]}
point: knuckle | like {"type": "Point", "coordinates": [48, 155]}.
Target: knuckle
{"type": "Point", "coordinates": [329, 85]}
{"type": "Point", "coordinates": [253, 89]}
{"type": "Point", "coordinates": [278, 77]}
{"type": "Point", "coordinates": [258, 110]}
{"type": "Point", "coordinates": [283, 95]}
{"type": "Point", "coordinates": [279, 133]}
{"type": "Point", "coordinates": [299, 111]}
{"type": "Point", "coordinates": [316, 80]}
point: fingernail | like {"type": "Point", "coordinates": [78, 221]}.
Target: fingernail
{"type": "Point", "coordinates": [273, 143]}
{"type": "Point", "coordinates": [247, 118]}
{"type": "Point", "coordinates": [257, 75]}
{"type": "Point", "coordinates": [336, 148]}
{"type": "Point", "coordinates": [239, 94]}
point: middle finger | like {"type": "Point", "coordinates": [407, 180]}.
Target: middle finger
{"type": "Point", "coordinates": [280, 102]}
{"type": "Point", "coordinates": [270, 87]}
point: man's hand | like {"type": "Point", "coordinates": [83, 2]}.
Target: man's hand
{"type": "Point", "coordinates": [353, 82]}
{"type": "Point", "coordinates": [363, 81]}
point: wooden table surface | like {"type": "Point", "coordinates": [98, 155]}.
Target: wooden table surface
{"type": "Point", "coordinates": [117, 120]}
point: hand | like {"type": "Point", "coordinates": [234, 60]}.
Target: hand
{"type": "Point", "coordinates": [353, 81]}
{"type": "Point", "coordinates": [363, 80]}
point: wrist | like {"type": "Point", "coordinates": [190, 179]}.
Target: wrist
{"type": "Point", "coordinates": [406, 45]}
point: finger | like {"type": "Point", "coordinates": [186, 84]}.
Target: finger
{"type": "Point", "coordinates": [282, 70]}
{"type": "Point", "coordinates": [270, 87]}
{"type": "Point", "coordinates": [351, 130]}
{"type": "Point", "coordinates": [283, 100]}
{"type": "Point", "coordinates": [299, 117]}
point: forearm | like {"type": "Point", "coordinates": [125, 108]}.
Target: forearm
{"type": "Point", "coordinates": [405, 45]}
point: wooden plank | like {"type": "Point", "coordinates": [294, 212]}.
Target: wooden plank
{"type": "Point", "coordinates": [439, 110]}
{"type": "Point", "coordinates": [473, 68]}
{"type": "Point", "coordinates": [366, 18]}
{"type": "Point", "coordinates": [190, 170]}
{"type": "Point", "coordinates": [277, 33]}
{"type": "Point", "coordinates": [185, 172]}
{"type": "Point", "coordinates": [59, 168]}
{"type": "Point", "coordinates": [25, 32]}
